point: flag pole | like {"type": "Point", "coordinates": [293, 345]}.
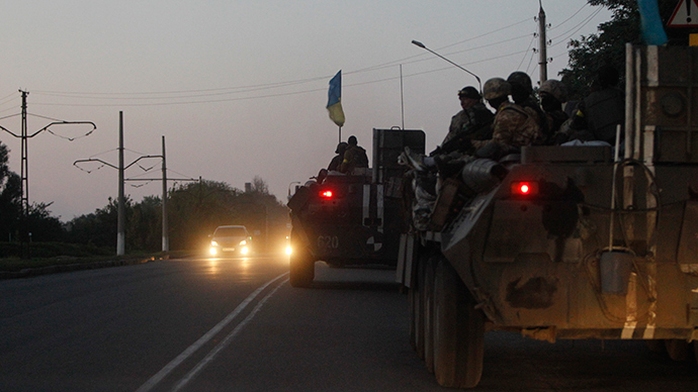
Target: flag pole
{"type": "Point", "coordinates": [340, 135]}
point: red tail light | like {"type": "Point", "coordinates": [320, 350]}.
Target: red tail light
{"type": "Point", "coordinates": [524, 188]}
{"type": "Point", "coordinates": [326, 194]}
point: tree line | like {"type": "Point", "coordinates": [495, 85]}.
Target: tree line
{"type": "Point", "coordinates": [194, 210]}
{"type": "Point", "coordinates": [607, 46]}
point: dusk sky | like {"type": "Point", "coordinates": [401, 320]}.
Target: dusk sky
{"type": "Point", "coordinates": [239, 88]}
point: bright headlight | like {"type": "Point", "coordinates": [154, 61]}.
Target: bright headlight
{"type": "Point", "coordinates": [213, 251]}
{"type": "Point", "coordinates": [214, 243]}
{"type": "Point", "coordinates": [244, 250]}
{"type": "Point", "coordinates": [243, 242]}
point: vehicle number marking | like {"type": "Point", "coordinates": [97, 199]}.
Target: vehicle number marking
{"type": "Point", "coordinates": [327, 242]}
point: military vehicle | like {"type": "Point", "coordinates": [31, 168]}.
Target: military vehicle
{"type": "Point", "coordinates": [352, 219]}
{"type": "Point", "coordinates": [574, 242]}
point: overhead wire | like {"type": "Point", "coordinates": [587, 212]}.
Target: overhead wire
{"type": "Point", "coordinates": [8, 98]}
{"type": "Point", "coordinates": [246, 89]}
{"type": "Point", "coordinates": [275, 95]}
{"type": "Point", "coordinates": [220, 92]}
{"type": "Point", "coordinates": [570, 18]}
{"type": "Point", "coordinates": [533, 54]}
{"type": "Point", "coordinates": [571, 32]}
{"type": "Point", "coordinates": [530, 44]}
{"type": "Point", "coordinates": [185, 97]}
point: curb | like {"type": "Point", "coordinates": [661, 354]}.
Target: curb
{"type": "Point", "coordinates": [53, 269]}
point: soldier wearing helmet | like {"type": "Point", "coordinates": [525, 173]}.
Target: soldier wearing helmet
{"type": "Point", "coordinates": [599, 114]}
{"type": "Point", "coordinates": [354, 157]}
{"type": "Point", "coordinates": [521, 86]}
{"type": "Point", "coordinates": [472, 122]}
{"type": "Point", "coordinates": [513, 126]}
{"type": "Point", "coordinates": [553, 93]}
{"type": "Point", "coordinates": [604, 108]}
{"type": "Point", "coordinates": [337, 160]}
{"type": "Point", "coordinates": [522, 94]}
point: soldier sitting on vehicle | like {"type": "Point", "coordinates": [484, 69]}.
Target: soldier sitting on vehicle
{"type": "Point", "coordinates": [522, 95]}
{"type": "Point", "coordinates": [513, 127]}
{"type": "Point", "coordinates": [337, 160]}
{"type": "Point", "coordinates": [473, 122]}
{"type": "Point", "coordinates": [354, 158]}
{"type": "Point", "coordinates": [598, 116]}
{"type": "Point", "coordinates": [553, 93]}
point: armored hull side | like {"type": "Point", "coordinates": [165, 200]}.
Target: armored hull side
{"type": "Point", "coordinates": [533, 262]}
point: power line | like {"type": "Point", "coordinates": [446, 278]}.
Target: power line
{"type": "Point", "coordinates": [576, 28]}
{"type": "Point", "coordinates": [187, 97]}
{"type": "Point", "coordinates": [529, 63]}
{"type": "Point", "coordinates": [573, 15]}
{"type": "Point", "coordinates": [270, 95]}
{"type": "Point", "coordinates": [244, 89]}
{"type": "Point", "coordinates": [527, 49]}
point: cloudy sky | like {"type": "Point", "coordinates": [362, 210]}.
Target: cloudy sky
{"type": "Point", "coordinates": [238, 88]}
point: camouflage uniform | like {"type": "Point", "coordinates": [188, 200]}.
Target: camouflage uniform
{"type": "Point", "coordinates": [475, 121]}
{"type": "Point", "coordinates": [553, 93]}
{"type": "Point", "coordinates": [513, 128]}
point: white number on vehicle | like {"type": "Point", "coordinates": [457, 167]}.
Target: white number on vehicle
{"type": "Point", "coordinates": [327, 242]}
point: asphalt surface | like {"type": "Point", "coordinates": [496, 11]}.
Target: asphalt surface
{"type": "Point", "coordinates": [237, 325]}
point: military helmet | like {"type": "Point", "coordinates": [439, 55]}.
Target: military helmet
{"type": "Point", "coordinates": [522, 80]}
{"type": "Point", "coordinates": [469, 92]}
{"type": "Point", "coordinates": [555, 88]}
{"type": "Point", "coordinates": [341, 147]}
{"type": "Point", "coordinates": [496, 88]}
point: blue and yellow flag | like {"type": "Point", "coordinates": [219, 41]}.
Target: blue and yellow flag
{"type": "Point", "coordinates": [334, 99]}
{"type": "Point", "coordinates": [651, 23]}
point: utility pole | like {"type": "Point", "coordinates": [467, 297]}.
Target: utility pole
{"type": "Point", "coordinates": [24, 245]}
{"type": "Point", "coordinates": [121, 210]}
{"type": "Point", "coordinates": [165, 237]}
{"type": "Point", "coordinates": [25, 158]}
{"type": "Point", "coordinates": [24, 135]}
{"type": "Point", "coordinates": [542, 44]}
{"type": "Point", "coordinates": [122, 167]}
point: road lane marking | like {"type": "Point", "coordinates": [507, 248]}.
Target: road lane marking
{"type": "Point", "coordinates": [225, 342]}
{"type": "Point", "coordinates": [159, 376]}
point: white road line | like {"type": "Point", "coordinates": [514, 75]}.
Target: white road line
{"type": "Point", "coordinates": [224, 343]}
{"type": "Point", "coordinates": [153, 381]}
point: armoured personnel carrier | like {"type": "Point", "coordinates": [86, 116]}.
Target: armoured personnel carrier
{"type": "Point", "coordinates": [573, 242]}
{"type": "Point", "coordinates": [352, 219]}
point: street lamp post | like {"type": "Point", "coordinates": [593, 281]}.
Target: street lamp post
{"type": "Point", "coordinates": [421, 45]}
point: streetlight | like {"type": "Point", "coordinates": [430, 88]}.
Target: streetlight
{"type": "Point", "coordinates": [421, 45]}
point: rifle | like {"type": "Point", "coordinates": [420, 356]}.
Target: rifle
{"type": "Point", "coordinates": [461, 142]}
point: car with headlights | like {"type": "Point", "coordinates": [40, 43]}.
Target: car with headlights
{"type": "Point", "coordinates": [230, 239]}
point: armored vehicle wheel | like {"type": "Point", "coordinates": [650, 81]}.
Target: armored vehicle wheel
{"type": "Point", "coordinates": [678, 349]}
{"type": "Point", "coordinates": [428, 306]}
{"type": "Point", "coordinates": [419, 307]}
{"type": "Point", "coordinates": [411, 296]}
{"type": "Point", "coordinates": [459, 331]}
{"type": "Point", "coordinates": [302, 268]}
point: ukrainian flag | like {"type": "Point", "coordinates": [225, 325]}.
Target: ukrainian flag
{"type": "Point", "coordinates": [651, 23]}
{"type": "Point", "coordinates": [334, 99]}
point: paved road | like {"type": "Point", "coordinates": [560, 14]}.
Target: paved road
{"type": "Point", "coordinates": [237, 325]}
